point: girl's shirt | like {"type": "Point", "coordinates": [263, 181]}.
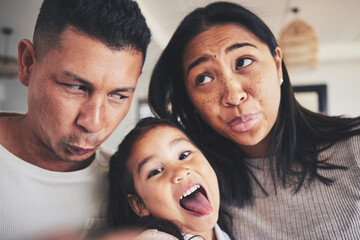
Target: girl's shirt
{"type": "Point", "coordinates": [158, 235]}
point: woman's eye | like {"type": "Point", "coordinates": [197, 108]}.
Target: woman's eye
{"type": "Point", "coordinates": [243, 62]}
{"type": "Point", "coordinates": [184, 155]}
{"type": "Point", "coordinates": [155, 172]}
{"type": "Point", "coordinates": [203, 79]}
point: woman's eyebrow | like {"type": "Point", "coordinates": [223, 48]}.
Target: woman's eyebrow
{"type": "Point", "coordinates": [239, 45]}
{"type": "Point", "coordinates": [205, 58]}
{"type": "Point", "coordinates": [195, 63]}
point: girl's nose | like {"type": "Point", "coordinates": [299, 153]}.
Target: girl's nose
{"type": "Point", "coordinates": [180, 174]}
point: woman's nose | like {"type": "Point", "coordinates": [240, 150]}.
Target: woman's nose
{"type": "Point", "coordinates": [233, 93]}
{"type": "Point", "coordinates": [180, 174]}
{"type": "Point", "coordinates": [90, 117]}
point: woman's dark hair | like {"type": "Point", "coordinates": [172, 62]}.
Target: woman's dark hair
{"type": "Point", "coordinates": [118, 24]}
{"type": "Point", "coordinates": [297, 136]}
{"type": "Point", "coordinates": [119, 212]}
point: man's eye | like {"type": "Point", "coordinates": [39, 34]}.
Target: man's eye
{"type": "Point", "coordinates": [155, 172]}
{"type": "Point", "coordinates": [76, 87]}
{"type": "Point", "coordinates": [184, 155]}
{"type": "Point", "coordinates": [243, 62]}
{"type": "Point", "coordinates": [118, 97]}
{"type": "Point", "coordinates": [203, 79]}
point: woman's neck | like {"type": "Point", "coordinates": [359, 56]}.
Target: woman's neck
{"type": "Point", "coordinates": [258, 150]}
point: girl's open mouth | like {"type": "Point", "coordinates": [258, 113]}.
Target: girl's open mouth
{"type": "Point", "coordinates": [196, 202]}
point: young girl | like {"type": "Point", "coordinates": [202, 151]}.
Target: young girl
{"type": "Point", "coordinates": [160, 180]}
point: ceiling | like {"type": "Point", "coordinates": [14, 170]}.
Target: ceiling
{"type": "Point", "coordinates": [336, 22]}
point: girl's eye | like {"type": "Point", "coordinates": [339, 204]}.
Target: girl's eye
{"type": "Point", "coordinates": [243, 62]}
{"type": "Point", "coordinates": [184, 155]}
{"type": "Point", "coordinates": [155, 172]}
{"type": "Point", "coordinates": [203, 79]}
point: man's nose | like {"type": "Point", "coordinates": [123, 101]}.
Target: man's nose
{"type": "Point", "coordinates": [90, 116]}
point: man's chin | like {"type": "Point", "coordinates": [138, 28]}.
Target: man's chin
{"type": "Point", "coordinates": [78, 158]}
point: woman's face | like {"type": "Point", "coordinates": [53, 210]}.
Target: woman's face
{"type": "Point", "coordinates": [234, 83]}
{"type": "Point", "coordinates": [175, 181]}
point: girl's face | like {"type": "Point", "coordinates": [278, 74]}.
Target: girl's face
{"type": "Point", "coordinates": [234, 83]}
{"type": "Point", "coordinates": [175, 181]}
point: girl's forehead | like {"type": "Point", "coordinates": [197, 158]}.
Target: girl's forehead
{"type": "Point", "coordinates": [154, 136]}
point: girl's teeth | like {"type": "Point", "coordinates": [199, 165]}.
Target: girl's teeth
{"type": "Point", "coordinates": [191, 190]}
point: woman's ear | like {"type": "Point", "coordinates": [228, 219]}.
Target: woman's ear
{"type": "Point", "coordinates": [27, 57]}
{"type": "Point", "coordinates": [138, 205]}
{"type": "Point", "coordinates": [278, 60]}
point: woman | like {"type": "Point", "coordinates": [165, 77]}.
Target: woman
{"type": "Point", "coordinates": [284, 171]}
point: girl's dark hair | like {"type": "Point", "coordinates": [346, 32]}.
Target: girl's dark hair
{"type": "Point", "coordinates": [297, 136]}
{"type": "Point", "coordinates": [119, 212]}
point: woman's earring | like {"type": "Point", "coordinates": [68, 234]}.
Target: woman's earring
{"type": "Point", "coordinates": [281, 81]}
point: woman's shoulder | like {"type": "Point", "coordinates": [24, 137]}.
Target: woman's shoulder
{"type": "Point", "coordinates": [154, 234]}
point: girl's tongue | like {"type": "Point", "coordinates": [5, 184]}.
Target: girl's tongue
{"type": "Point", "coordinates": [197, 204]}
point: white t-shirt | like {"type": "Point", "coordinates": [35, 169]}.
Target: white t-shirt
{"type": "Point", "coordinates": [35, 202]}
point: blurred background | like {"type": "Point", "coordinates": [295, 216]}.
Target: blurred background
{"type": "Point", "coordinates": [321, 39]}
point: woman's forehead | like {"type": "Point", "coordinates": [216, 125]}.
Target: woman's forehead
{"type": "Point", "coordinates": [219, 37]}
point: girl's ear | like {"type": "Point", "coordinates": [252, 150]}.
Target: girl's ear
{"type": "Point", "coordinates": [26, 60]}
{"type": "Point", "coordinates": [137, 205]}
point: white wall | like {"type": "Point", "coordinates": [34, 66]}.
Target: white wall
{"type": "Point", "coordinates": [343, 85]}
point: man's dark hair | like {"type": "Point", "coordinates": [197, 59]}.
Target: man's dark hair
{"type": "Point", "coordinates": [118, 24]}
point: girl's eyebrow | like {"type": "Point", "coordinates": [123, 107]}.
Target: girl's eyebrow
{"type": "Point", "coordinates": [179, 139]}
{"type": "Point", "coordinates": [147, 159]}
{"type": "Point", "coordinates": [143, 162]}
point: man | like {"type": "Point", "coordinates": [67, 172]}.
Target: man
{"type": "Point", "coordinates": [81, 72]}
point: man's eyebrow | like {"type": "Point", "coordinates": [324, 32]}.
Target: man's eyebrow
{"type": "Point", "coordinates": [204, 58]}
{"type": "Point", "coordinates": [76, 78]}
{"type": "Point", "coordinates": [87, 83]}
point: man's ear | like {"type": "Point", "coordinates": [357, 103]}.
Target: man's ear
{"type": "Point", "coordinates": [27, 58]}
{"type": "Point", "coordinates": [138, 205]}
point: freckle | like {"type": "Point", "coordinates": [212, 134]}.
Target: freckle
{"type": "Point", "coordinates": [215, 56]}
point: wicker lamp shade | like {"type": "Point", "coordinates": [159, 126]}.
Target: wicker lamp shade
{"type": "Point", "coordinates": [299, 44]}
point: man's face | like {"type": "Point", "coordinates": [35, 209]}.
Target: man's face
{"type": "Point", "coordinates": [78, 94]}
